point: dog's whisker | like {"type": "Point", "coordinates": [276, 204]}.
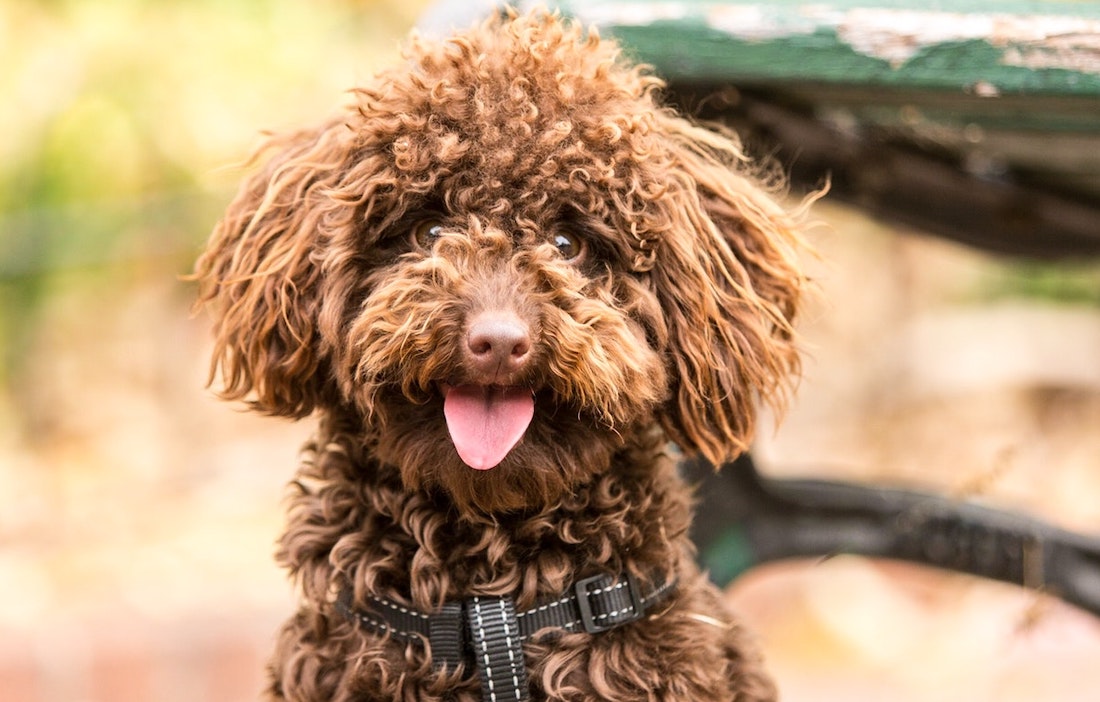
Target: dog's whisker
{"type": "Point", "coordinates": [709, 621]}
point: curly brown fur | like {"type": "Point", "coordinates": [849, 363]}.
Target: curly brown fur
{"type": "Point", "coordinates": [518, 178]}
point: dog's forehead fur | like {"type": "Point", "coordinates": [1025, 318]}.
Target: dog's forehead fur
{"type": "Point", "coordinates": [507, 118]}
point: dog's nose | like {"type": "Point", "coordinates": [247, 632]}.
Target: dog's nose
{"type": "Point", "coordinates": [499, 344]}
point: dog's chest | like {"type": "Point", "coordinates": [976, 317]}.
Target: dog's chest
{"type": "Point", "coordinates": [426, 558]}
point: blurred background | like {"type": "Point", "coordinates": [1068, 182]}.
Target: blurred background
{"type": "Point", "coordinates": [138, 513]}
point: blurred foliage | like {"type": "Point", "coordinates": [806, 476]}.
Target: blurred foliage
{"type": "Point", "coordinates": [120, 116]}
{"type": "Point", "coordinates": [1076, 283]}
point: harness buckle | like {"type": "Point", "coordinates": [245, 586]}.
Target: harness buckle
{"type": "Point", "coordinates": [610, 595]}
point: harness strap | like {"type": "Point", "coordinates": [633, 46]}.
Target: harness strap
{"type": "Point", "coordinates": [488, 632]}
{"type": "Point", "coordinates": [497, 649]}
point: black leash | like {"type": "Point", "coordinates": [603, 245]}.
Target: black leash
{"type": "Point", "coordinates": [489, 633]}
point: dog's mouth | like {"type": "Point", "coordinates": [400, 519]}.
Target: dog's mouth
{"type": "Point", "coordinates": [486, 421]}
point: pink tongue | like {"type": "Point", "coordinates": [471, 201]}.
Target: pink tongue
{"type": "Point", "coordinates": [486, 422]}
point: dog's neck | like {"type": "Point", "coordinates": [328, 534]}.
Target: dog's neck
{"type": "Point", "coordinates": [352, 522]}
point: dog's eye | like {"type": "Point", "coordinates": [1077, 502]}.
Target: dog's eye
{"type": "Point", "coordinates": [425, 233]}
{"type": "Point", "coordinates": [571, 247]}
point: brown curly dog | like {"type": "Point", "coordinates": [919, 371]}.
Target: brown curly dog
{"type": "Point", "coordinates": [505, 279]}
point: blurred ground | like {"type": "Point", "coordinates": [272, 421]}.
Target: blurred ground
{"type": "Point", "coordinates": [139, 513]}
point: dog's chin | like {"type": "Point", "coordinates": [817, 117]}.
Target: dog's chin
{"type": "Point", "coordinates": [559, 451]}
{"type": "Point", "coordinates": [512, 487]}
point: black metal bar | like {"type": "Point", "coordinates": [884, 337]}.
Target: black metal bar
{"type": "Point", "coordinates": [898, 182]}
{"type": "Point", "coordinates": [747, 519]}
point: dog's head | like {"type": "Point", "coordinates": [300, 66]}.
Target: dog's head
{"type": "Point", "coordinates": [505, 259]}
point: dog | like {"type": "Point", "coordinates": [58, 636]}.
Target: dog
{"type": "Point", "coordinates": [514, 289]}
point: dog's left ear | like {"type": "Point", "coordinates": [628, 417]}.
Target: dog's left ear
{"type": "Point", "coordinates": [729, 279]}
{"type": "Point", "coordinates": [260, 276]}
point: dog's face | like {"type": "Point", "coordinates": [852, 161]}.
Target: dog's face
{"type": "Point", "coordinates": [507, 260]}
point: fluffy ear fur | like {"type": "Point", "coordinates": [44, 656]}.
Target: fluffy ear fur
{"type": "Point", "coordinates": [260, 278]}
{"type": "Point", "coordinates": [730, 291]}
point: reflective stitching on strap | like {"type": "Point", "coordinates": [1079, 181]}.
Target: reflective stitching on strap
{"type": "Point", "coordinates": [497, 644]}
{"type": "Point", "coordinates": [378, 623]}
{"type": "Point", "coordinates": [487, 665]}
{"type": "Point", "coordinates": [543, 608]}
{"type": "Point", "coordinates": [381, 625]}
{"type": "Point", "coordinates": [608, 590]}
{"type": "Point", "coordinates": [511, 651]}
{"type": "Point", "coordinates": [399, 608]}
{"type": "Point", "coordinates": [601, 590]}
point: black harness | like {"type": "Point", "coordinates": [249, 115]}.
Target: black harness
{"type": "Point", "coordinates": [488, 631]}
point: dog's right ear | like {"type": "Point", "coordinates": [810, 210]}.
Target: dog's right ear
{"type": "Point", "coordinates": [730, 283]}
{"type": "Point", "coordinates": [260, 277]}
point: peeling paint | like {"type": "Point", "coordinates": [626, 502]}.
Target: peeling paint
{"type": "Point", "coordinates": [752, 22]}
{"type": "Point", "coordinates": [1032, 41]}
{"type": "Point", "coordinates": [629, 14]}
{"type": "Point", "coordinates": [1081, 55]}
{"type": "Point", "coordinates": [895, 36]}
